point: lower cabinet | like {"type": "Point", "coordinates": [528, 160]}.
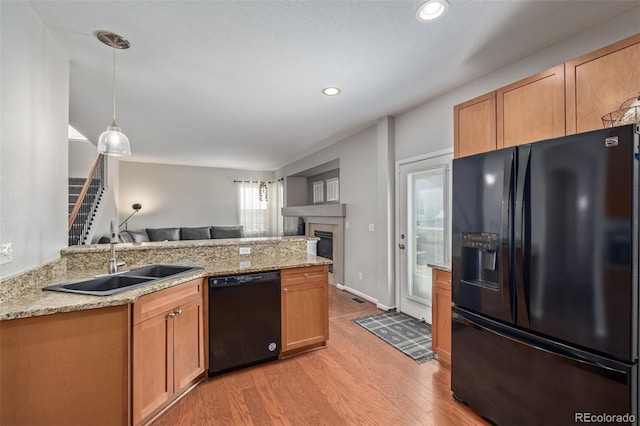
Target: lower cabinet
{"type": "Point", "coordinates": [305, 308]}
{"type": "Point", "coordinates": [168, 346]}
{"type": "Point", "coordinates": [441, 314]}
{"type": "Point", "coordinates": [67, 368]}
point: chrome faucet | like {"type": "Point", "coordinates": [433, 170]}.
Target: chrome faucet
{"type": "Point", "coordinates": [113, 263]}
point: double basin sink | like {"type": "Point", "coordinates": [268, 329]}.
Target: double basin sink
{"type": "Point", "coordinates": [106, 285]}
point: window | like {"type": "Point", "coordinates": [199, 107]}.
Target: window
{"type": "Point", "coordinates": [333, 189]}
{"type": "Point", "coordinates": [253, 199]}
{"type": "Point", "coordinates": [318, 192]}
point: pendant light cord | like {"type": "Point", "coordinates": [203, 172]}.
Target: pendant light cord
{"type": "Point", "coordinates": [114, 84]}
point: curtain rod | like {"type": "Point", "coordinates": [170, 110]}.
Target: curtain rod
{"type": "Point", "coordinates": [249, 181]}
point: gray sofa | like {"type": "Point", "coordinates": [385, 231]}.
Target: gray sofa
{"type": "Point", "coordinates": [179, 234]}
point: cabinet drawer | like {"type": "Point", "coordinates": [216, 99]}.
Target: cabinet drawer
{"type": "Point", "coordinates": [303, 275]}
{"type": "Point", "coordinates": [442, 277]}
{"type": "Point", "coordinates": [156, 303]}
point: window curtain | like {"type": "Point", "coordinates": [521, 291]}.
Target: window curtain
{"type": "Point", "coordinates": [258, 206]}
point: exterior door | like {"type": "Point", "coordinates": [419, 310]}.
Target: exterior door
{"type": "Point", "coordinates": [423, 230]}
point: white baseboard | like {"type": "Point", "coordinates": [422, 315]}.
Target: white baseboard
{"type": "Point", "coordinates": [363, 296]}
{"type": "Point", "coordinates": [384, 307]}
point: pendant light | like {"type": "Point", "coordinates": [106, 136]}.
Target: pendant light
{"type": "Point", "coordinates": [112, 141]}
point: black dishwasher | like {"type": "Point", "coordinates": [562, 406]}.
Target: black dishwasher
{"type": "Point", "coordinates": [244, 321]}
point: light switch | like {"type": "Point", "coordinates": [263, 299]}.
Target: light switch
{"type": "Point", "coordinates": [245, 250]}
{"type": "Point", "coordinates": [372, 227]}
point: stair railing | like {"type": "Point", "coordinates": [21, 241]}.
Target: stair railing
{"type": "Point", "coordinates": [77, 228]}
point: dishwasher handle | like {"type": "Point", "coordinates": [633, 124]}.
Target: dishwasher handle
{"type": "Point", "coordinates": [244, 279]}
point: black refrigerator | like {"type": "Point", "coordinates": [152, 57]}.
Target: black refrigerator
{"type": "Point", "coordinates": [545, 280]}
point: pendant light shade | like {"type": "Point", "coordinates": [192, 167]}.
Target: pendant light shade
{"type": "Point", "coordinates": [112, 141]}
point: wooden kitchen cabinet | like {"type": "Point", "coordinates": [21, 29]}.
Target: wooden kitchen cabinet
{"type": "Point", "coordinates": [441, 314]}
{"type": "Point", "coordinates": [531, 109]}
{"type": "Point", "coordinates": [474, 126]}
{"type": "Point", "coordinates": [66, 369]}
{"type": "Point", "coordinates": [305, 308]}
{"type": "Point", "coordinates": [599, 82]}
{"type": "Point", "coordinates": [168, 346]}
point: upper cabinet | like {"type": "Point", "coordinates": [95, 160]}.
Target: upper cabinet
{"type": "Point", "coordinates": [531, 109]}
{"type": "Point", "coordinates": [566, 99]}
{"type": "Point", "coordinates": [599, 82]}
{"type": "Point", "coordinates": [474, 128]}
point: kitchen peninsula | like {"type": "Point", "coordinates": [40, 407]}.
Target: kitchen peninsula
{"type": "Point", "coordinates": [74, 356]}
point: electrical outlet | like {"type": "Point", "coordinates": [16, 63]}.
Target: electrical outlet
{"type": "Point", "coordinates": [245, 264]}
{"type": "Point", "coordinates": [372, 227]}
{"type": "Point", "coordinates": [359, 275]}
{"type": "Point", "coordinates": [245, 250]}
{"type": "Point", "coordinates": [346, 225]}
{"type": "Point", "coordinates": [6, 253]}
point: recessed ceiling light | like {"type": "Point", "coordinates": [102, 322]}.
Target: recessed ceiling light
{"type": "Point", "coordinates": [331, 91]}
{"type": "Point", "coordinates": [432, 9]}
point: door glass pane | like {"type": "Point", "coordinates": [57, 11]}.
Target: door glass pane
{"type": "Point", "coordinates": [426, 229]}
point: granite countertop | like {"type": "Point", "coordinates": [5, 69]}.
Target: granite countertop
{"type": "Point", "coordinates": [441, 267]}
{"type": "Point", "coordinates": [33, 301]}
{"type": "Point", "coordinates": [186, 244]}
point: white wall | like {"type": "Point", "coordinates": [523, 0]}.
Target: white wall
{"type": "Point", "coordinates": [174, 196]}
{"type": "Point", "coordinates": [358, 155]}
{"type": "Point", "coordinates": [82, 155]}
{"type": "Point", "coordinates": [34, 111]}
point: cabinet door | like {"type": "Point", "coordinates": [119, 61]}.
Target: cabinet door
{"type": "Point", "coordinates": [188, 343]}
{"type": "Point", "coordinates": [441, 324]}
{"type": "Point", "coordinates": [474, 126]}
{"type": "Point", "coordinates": [531, 109]}
{"type": "Point", "coordinates": [599, 82]}
{"type": "Point", "coordinates": [152, 365]}
{"type": "Point", "coordinates": [305, 318]}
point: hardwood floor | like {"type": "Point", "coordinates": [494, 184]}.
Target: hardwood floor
{"type": "Point", "coordinates": [357, 380]}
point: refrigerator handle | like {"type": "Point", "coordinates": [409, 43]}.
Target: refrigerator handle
{"type": "Point", "coordinates": [522, 233]}
{"type": "Point", "coordinates": [507, 236]}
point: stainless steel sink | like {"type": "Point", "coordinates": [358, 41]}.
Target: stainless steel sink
{"type": "Point", "coordinates": [106, 285]}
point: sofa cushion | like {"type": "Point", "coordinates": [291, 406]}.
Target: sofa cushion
{"type": "Point", "coordinates": [201, 233]}
{"type": "Point", "coordinates": [125, 237]}
{"type": "Point", "coordinates": [227, 231]}
{"type": "Point", "coordinates": [139, 236]}
{"type": "Point", "coordinates": [164, 234]}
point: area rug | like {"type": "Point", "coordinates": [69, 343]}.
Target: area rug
{"type": "Point", "coordinates": [402, 332]}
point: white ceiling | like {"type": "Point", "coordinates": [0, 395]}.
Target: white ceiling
{"type": "Point", "coordinates": [237, 84]}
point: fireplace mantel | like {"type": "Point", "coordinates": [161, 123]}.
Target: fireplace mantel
{"type": "Point", "coordinates": [316, 210]}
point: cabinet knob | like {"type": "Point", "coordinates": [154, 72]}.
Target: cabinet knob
{"type": "Point", "coordinates": [179, 312]}
{"type": "Point", "coordinates": [172, 315]}
{"type": "Point", "coordinates": [306, 275]}
{"type": "Point", "coordinates": [285, 290]}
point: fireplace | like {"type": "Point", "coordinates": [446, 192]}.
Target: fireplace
{"type": "Point", "coordinates": [325, 245]}
{"type": "Point", "coordinates": [325, 222]}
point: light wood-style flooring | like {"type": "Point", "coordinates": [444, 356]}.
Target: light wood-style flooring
{"type": "Point", "coordinates": [357, 380]}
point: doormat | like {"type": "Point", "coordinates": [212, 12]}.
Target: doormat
{"type": "Point", "coordinates": [404, 333]}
